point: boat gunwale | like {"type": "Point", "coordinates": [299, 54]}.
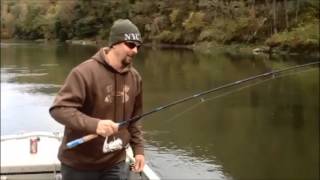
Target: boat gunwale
{"type": "Point", "coordinates": [147, 172]}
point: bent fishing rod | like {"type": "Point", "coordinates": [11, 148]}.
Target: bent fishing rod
{"type": "Point", "coordinates": [123, 123]}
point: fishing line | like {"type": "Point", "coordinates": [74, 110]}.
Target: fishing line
{"type": "Point", "coordinates": [123, 123]}
{"type": "Point", "coordinates": [204, 100]}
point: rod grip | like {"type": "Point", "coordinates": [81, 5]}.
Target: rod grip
{"type": "Point", "coordinates": [82, 140]}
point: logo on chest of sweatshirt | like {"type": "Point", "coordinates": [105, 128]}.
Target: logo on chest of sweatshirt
{"type": "Point", "coordinates": [122, 93]}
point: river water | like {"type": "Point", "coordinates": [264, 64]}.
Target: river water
{"type": "Point", "coordinates": [266, 129]}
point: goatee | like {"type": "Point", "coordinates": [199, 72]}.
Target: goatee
{"type": "Point", "coordinates": [126, 62]}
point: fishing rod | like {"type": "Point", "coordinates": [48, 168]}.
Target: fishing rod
{"type": "Point", "coordinates": [89, 137]}
{"type": "Point", "coordinates": [202, 100]}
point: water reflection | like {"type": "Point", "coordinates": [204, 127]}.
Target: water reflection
{"type": "Point", "coordinates": [24, 107]}
{"type": "Point", "coordinates": [166, 161]}
{"type": "Point", "coordinates": [261, 130]}
{"type": "Point", "coordinates": [256, 140]}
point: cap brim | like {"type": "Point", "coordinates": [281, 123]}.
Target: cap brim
{"type": "Point", "coordinates": [137, 43]}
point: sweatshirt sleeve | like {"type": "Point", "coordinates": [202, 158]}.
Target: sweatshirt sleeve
{"type": "Point", "coordinates": [69, 100]}
{"type": "Point", "coordinates": [135, 128]}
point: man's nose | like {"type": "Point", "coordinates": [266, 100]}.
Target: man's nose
{"type": "Point", "coordinates": [135, 50]}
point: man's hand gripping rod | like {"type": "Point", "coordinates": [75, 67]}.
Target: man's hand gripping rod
{"type": "Point", "coordinates": [89, 137]}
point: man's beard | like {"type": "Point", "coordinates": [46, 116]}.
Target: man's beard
{"type": "Point", "coordinates": [126, 61]}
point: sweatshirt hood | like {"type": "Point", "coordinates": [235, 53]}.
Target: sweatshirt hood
{"type": "Point", "coordinates": [102, 59]}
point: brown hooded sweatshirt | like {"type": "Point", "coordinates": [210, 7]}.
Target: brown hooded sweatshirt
{"type": "Point", "coordinates": [95, 91]}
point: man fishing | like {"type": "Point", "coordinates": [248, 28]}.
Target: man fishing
{"type": "Point", "coordinates": [96, 96]}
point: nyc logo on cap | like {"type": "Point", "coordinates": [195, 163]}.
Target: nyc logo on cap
{"type": "Point", "coordinates": [132, 37]}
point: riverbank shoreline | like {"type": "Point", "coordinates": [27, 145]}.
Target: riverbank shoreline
{"type": "Point", "coordinates": [208, 47]}
{"type": "Point", "coordinates": [202, 48]}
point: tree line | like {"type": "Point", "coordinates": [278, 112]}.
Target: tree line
{"type": "Point", "coordinates": [289, 24]}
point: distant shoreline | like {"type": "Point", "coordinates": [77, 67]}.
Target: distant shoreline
{"type": "Point", "coordinates": [204, 48]}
